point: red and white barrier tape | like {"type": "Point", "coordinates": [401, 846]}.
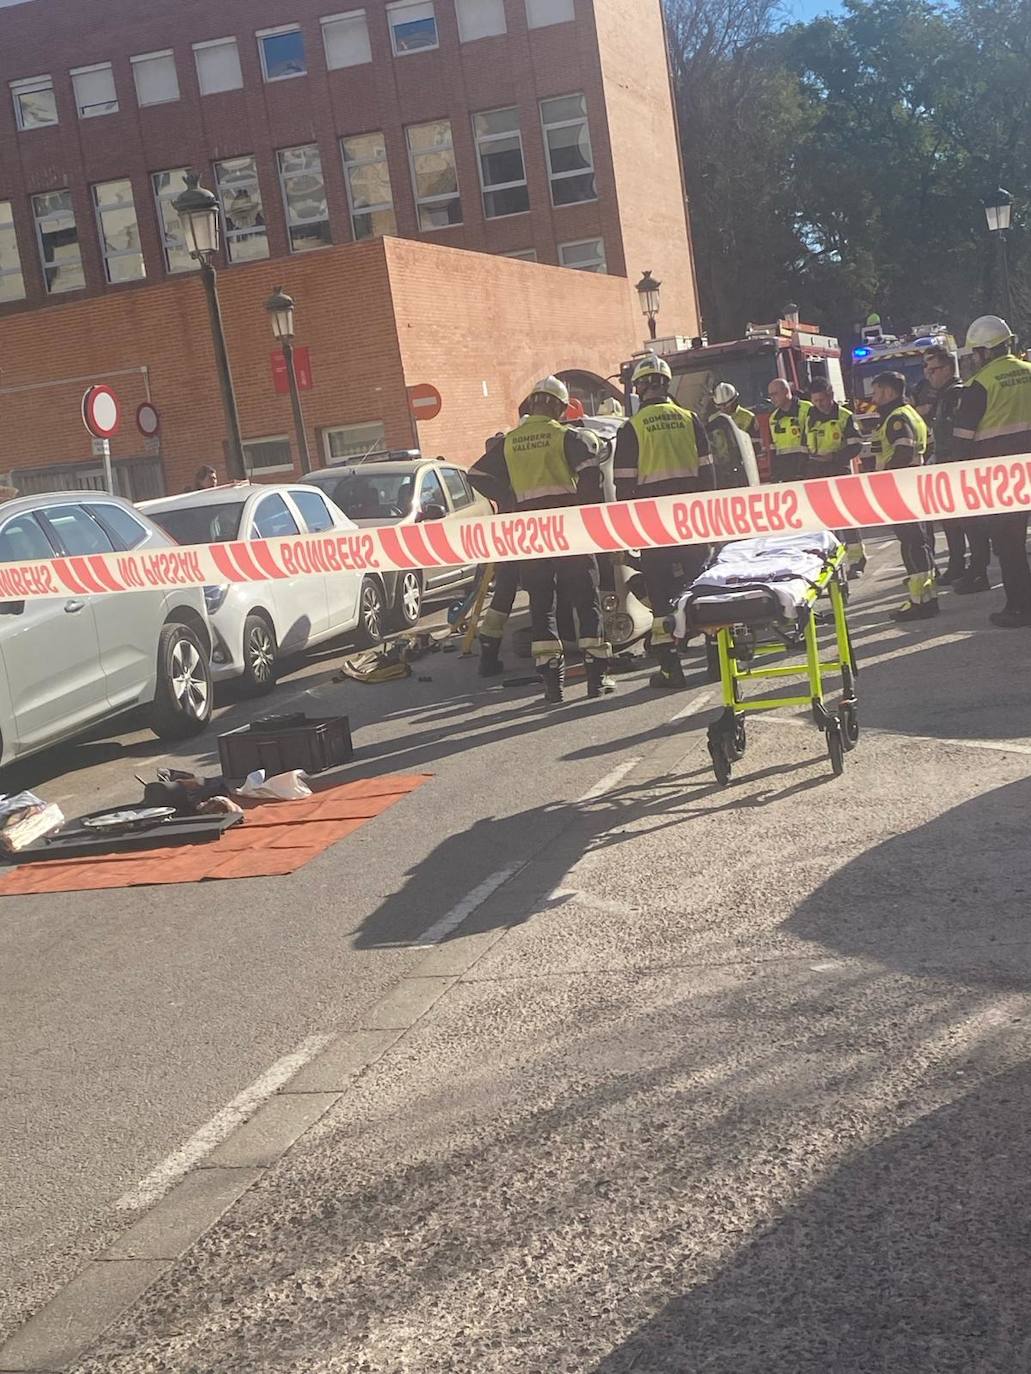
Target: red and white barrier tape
{"type": "Point", "coordinates": [947, 492]}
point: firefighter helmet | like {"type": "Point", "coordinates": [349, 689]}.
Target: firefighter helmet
{"type": "Point", "coordinates": [723, 393]}
{"type": "Point", "coordinates": [988, 331]}
{"type": "Point", "coordinates": [651, 366]}
{"type": "Point", "coordinates": [551, 386]}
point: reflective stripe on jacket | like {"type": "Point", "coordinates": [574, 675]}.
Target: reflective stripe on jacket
{"type": "Point", "coordinates": [667, 447]}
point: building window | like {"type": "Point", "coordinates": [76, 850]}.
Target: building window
{"type": "Point", "coordinates": [541, 13]}
{"type": "Point", "coordinates": [12, 283]}
{"type": "Point", "coordinates": [354, 441]}
{"type": "Point", "coordinates": [242, 210]}
{"type": "Point", "coordinates": [304, 195]}
{"type": "Point", "coordinates": [413, 27]}
{"type": "Point", "coordinates": [95, 92]}
{"type": "Point", "coordinates": [499, 151]}
{"type": "Point", "coordinates": [157, 81]}
{"type": "Point", "coordinates": [119, 231]}
{"type": "Point", "coordinates": [567, 140]}
{"type": "Point", "coordinates": [368, 186]}
{"type": "Point", "coordinates": [587, 255]}
{"type": "Point", "coordinates": [268, 455]}
{"type": "Point", "coordinates": [526, 254]}
{"type": "Point", "coordinates": [58, 242]}
{"type": "Point", "coordinates": [434, 174]}
{"type": "Point", "coordinates": [168, 185]}
{"type": "Point", "coordinates": [282, 52]}
{"type": "Point", "coordinates": [218, 66]}
{"type": "Point", "coordinates": [346, 40]}
{"type": "Point", "coordinates": [480, 18]}
{"type": "Point", "coordinates": [35, 104]}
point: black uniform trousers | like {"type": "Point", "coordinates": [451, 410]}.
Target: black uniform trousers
{"type": "Point", "coordinates": [666, 572]}
{"type": "Point", "coordinates": [506, 584]}
{"type": "Point", "coordinates": [573, 581]}
{"type": "Point", "coordinates": [1008, 535]}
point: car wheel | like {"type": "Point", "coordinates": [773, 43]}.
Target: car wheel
{"type": "Point", "coordinates": [408, 601]}
{"type": "Point", "coordinates": [182, 701]}
{"type": "Point", "coordinates": [260, 654]}
{"type": "Point", "coordinates": [372, 614]}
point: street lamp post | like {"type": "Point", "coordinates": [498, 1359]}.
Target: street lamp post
{"type": "Point", "coordinates": [281, 311]}
{"type": "Point", "coordinates": [648, 292]}
{"type": "Point", "coordinates": [998, 211]}
{"type": "Point", "coordinates": [198, 212]}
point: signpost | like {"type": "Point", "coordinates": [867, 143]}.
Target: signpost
{"type": "Point", "coordinates": [424, 401]}
{"type": "Point", "coordinates": [102, 417]}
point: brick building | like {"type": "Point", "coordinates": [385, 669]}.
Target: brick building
{"type": "Point", "coordinates": [533, 129]}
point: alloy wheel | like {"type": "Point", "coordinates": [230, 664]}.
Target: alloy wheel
{"type": "Point", "coordinates": [189, 680]}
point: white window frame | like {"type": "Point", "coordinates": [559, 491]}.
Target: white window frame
{"type": "Point", "coordinates": [494, 33]}
{"type": "Point", "coordinates": [272, 467]}
{"type": "Point", "coordinates": [19, 271]}
{"type": "Point", "coordinates": [337, 460]}
{"type": "Point", "coordinates": [262, 34]}
{"type": "Point", "coordinates": [230, 236]}
{"type": "Point", "coordinates": [524, 254]}
{"type": "Point", "coordinates": [397, 7]}
{"type": "Point", "coordinates": [531, 10]}
{"type": "Point", "coordinates": [601, 267]}
{"type": "Point", "coordinates": [485, 140]}
{"type": "Point", "coordinates": [165, 198]}
{"type": "Point", "coordinates": [218, 43]}
{"type": "Point", "coordinates": [60, 190]}
{"type": "Point", "coordinates": [580, 171]}
{"type": "Point", "coordinates": [107, 255]}
{"type": "Point", "coordinates": [29, 86]}
{"type": "Point", "coordinates": [283, 177]}
{"type": "Point", "coordinates": [90, 111]}
{"type": "Point", "coordinates": [138, 61]}
{"type": "Point", "coordinates": [433, 200]}
{"type": "Point", "coordinates": [383, 161]}
{"type": "Point", "coordinates": [349, 16]}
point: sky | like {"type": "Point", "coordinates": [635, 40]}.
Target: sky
{"type": "Point", "coordinates": [796, 11]}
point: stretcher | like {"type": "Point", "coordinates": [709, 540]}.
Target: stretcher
{"type": "Point", "coordinates": [758, 599]}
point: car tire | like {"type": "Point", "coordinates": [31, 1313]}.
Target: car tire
{"type": "Point", "coordinates": [372, 614]}
{"type": "Point", "coordinates": [407, 600]}
{"type": "Point", "coordinates": [260, 657]}
{"type": "Point", "coordinates": [183, 697]}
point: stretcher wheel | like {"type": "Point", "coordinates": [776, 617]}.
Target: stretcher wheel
{"type": "Point", "coordinates": [836, 748]}
{"type": "Point", "coordinates": [737, 744]}
{"type": "Point", "coordinates": [848, 719]}
{"type": "Point", "coordinates": [712, 660]}
{"type": "Point", "coordinates": [718, 751]}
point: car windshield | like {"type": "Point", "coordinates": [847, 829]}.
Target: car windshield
{"type": "Point", "coordinates": [750, 375]}
{"type": "Point", "coordinates": [369, 495]}
{"type": "Point", "coordinates": [200, 524]}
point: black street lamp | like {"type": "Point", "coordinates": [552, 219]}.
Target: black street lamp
{"type": "Point", "coordinates": [199, 214]}
{"type": "Point", "coordinates": [998, 211]}
{"type": "Point", "coordinates": [648, 292]}
{"type": "Point", "coordinates": [281, 311]}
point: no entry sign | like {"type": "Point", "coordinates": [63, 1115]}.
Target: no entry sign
{"type": "Point", "coordinates": [100, 412]}
{"type": "Point", "coordinates": [424, 401]}
{"type": "Point", "coordinates": [148, 422]}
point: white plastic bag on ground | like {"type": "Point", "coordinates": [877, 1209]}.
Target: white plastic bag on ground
{"type": "Point", "coordinates": [280, 787]}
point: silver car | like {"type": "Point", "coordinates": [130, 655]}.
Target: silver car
{"type": "Point", "coordinates": [69, 662]}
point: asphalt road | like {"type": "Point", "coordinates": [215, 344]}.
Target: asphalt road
{"type": "Point", "coordinates": [710, 1080]}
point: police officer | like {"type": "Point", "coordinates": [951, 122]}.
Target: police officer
{"type": "Point", "coordinates": [993, 420]}
{"type": "Point", "coordinates": [787, 425]}
{"type": "Point", "coordinates": [901, 442]}
{"type": "Point", "coordinates": [663, 450]}
{"type": "Point", "coordinates": [833, 443]}
{"type": "Point", "coordinates": [727, 400]}
{"type": "Point", "coordinates": [539, 465]}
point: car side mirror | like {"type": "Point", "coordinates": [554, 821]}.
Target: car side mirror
{"type": "Point", "coordinates": [12, 607]}
{"type": "Point", "coordinates": [431, 511]}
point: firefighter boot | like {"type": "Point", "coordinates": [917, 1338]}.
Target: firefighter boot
{"type": "Point", "coordinates": [598, 681]}
{"type": "Point", "coordinates": [490, 660]}
{"type": "Point", "coordinates": [553, 675]}
{"type": "Point", "coordinates": [671, 672]}
{"type": "Point", "coordinates": [923, 599]}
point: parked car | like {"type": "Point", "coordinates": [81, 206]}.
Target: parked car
{"type": "Point", "coordinates": [388, 491]}
{"type": "Point", "coordinates": [69, 662]}
{"type": "Point", "coordinates": [257, 624]}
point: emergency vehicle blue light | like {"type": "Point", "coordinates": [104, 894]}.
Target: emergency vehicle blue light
{"type": "Point", "coordinates": [861, 352]}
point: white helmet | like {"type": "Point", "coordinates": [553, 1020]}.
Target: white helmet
{"type": "Point", "coordinates": [723, 393]}
{"type": "Point", "coordinates": [551, 386]}
{"type": "Point", "coordinates": [651, 366]}
{"type": "Point", "coordinates": [989, 331]}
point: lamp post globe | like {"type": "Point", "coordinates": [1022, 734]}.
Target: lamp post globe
{"type": "Point", "coordinates": [648, 294]}
{"type": "Point", "coordinates": [998, 210]}
{"type": "Point", "coordinates": [280, 307]}
{"type": "Point", "coordinates": [198, 212]}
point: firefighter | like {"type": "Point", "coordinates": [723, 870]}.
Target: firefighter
{"type": "Point", "coordinates": [727, 400]}
{"type": "Point", "coordinates": [787, 423]}
{"type": "Point", "coordinates": [993, 420]}
{"type": "Point", "coordinates": [947, 390]}
{"type": "Point", "coordinates": [539, 465]}
{"type": "Point", "coordinates": [833, 443]}
{"type": "Point", "coordinates": [663, 450]}
{"type": "Point", "coordinates": [901, 442]}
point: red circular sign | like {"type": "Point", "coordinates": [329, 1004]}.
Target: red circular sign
{"type": "Point", "coordinates": [424, 401]}
{"type": "Point", "coordinates": [148, 422]}
{"type": "Point", "coordinates": [100, 412]}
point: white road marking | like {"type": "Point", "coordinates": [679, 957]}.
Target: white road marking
{"type": "Point", "coordinates": [212, 1133]}
{"type": "Point", "coordinates": [609, 781]}
{"type": "Point", "coordinates": [695, 704]}
{"type": "Point", "coordinates": [465, 908]}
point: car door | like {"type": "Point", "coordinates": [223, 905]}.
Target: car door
{"type": "Point", "coordinates": [342, 588]}
{"type": "Point", "coordinates": [299, 603]}
{"type": "Point", "coordinates": [431, 493]}
{"type": "Point", "coordinates": [50, 650]}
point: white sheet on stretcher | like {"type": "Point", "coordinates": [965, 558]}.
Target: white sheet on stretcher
{"type": "Point", "coordinates": [786, 566]}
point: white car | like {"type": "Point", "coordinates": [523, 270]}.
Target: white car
{"type": "Point", "coordinates": [256, 624]}
{"type": "Point", "coordinates": [69, 662]}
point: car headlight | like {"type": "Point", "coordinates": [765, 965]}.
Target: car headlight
{"type": "Point", "coordinates": [214, 597]}
{"type": "Point", "coordinates": [620, 628]}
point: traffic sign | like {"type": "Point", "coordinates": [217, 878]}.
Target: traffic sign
{"type": "Point", "coordinates": [100, 412]}
{"type": "Point", "coordinates": [302, 371]}
{"type": "Point", "coordinates": [148, 422]}
{"type": "Point", "coordinates": [424, 401]}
